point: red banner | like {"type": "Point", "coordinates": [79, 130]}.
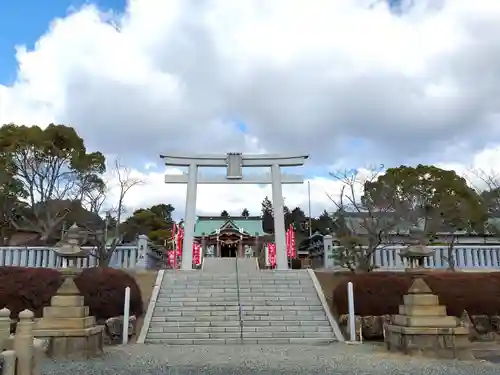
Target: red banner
{"type": "Point", "coordinates": [290, 242]}
{"type": "Point", "coordinates": [178, 240]}
{"type": "Point", "coordinates": [196, 253]}
{"type": "Point", "coordinates": [288, 238]}
{"type": "Point", "coordinates": [172, 258]}
{"type": "Point", "coordinates": [271, 251]}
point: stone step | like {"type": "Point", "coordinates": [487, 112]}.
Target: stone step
{"type": "Point", "coordinates": [197, 313]}
{"type": "Point", "coordinates": [191, 329]}
{"type": "Point", "coordinates": [300, 314]}
{"type": "Point", "coordinates": [284, 334]}
{"type": "Point", "coordinates": [199, 308]}
{"type": "Point", "coordinates": [194, 335]}
{"type": "Point", "coordinates": [247, 318]}
{"type": "Point", "coordinates": [272, 310]}
{"type": "Point", "coordinates": [166, 300]}
{"type": "Point", "coordinates": [242, 295]}
{"type": "Point", "coordinates": [164, 322]}
{"type": "Point", "coordinates": [287, 323]}
{"type": "Point", "coordinates": [197, 295]}
{"type": "Point", "coordinates": [237, 329]}
{"type": "Point", "coordinates": [290, 328]}
{"type": "Point", "coordinates": [264, 341]}
{"type": "Point", "coordinates": [273, 302]}
{"type": "Point", "coordinates": [202, 303]}
{"type": "Point", "coordinates": [281, 309]}
{"type": "Point", "coordinates": [254, 275]}
{"type": "Point", "coordinates": [261, 280]}
{"type": "Point", "coordinates": [194, 318]}
{"type": "Point", "coordinates": [274, 294]}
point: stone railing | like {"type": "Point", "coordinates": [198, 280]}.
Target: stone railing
{"type": "Point", "coordinates": [143, 255]}
{"type": "Point", "coordinates": [21, 353]}
{"type": "Point", "coordinates": [464, 257]}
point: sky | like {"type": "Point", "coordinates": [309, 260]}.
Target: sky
{"type": "Point", "coordinates": [352, 83]}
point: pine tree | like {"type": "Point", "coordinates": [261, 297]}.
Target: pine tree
{"type": "Point", "coordinates": [267, 216]}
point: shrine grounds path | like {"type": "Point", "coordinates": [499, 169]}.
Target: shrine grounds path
{"type": "Point", "coordinates": [366, 359]}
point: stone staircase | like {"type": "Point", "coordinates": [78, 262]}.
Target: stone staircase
{"type": "Point", "coordinates": [282, 307]}
{"type": "Point", "coordinates": [219, 306]}
{"type": "Point", "coordinates": [196, 308]}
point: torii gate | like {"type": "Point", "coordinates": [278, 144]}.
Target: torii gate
{"type": "Point", "coordinates": [234, 163]}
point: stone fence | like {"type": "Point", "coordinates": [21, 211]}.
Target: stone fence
{"type": "Point", "coordinates": [387, 258]}
{"type": "Point", "coordinates": [21, 353]}
{"type": "Point", "coordinates": [143, 255]}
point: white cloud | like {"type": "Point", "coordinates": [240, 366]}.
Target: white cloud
{"type": "Point", "coordinates": [305, 76]}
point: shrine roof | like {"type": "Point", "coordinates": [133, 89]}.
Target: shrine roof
{"type": "Point", "coordinates": [208, 225]}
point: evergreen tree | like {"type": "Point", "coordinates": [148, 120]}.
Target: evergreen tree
{"type": "Point", "coordinates": [267, 216]}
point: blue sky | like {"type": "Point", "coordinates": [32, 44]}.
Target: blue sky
{"type": "Point", "coordinates": [24, 21]}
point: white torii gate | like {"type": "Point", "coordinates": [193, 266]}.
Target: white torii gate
{"type": "Point", "coordinates": [234, 163]}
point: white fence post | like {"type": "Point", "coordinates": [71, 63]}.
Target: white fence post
{"type": "Point", "coordinates": [126, 315]}
{"type": "Point", "coordinates": [352, 318]}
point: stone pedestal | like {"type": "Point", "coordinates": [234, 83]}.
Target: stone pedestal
{"type": "Point", "coordinates": [423, 327]}
{"type": "Point", "coordinates": [66, 323]}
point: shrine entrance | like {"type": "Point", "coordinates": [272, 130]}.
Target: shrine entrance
{"type": "Point", "coordinates": [234, 164]}
{"type": "Point", "coordinates": [228, 251]}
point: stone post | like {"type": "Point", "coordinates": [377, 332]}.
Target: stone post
{"type": "Point", "coordinates": [8, 358]}
{"type": "Point", "coordinates": [4, 327]}
{"type": "Point", "coordinates": [279, 219]}
{"type": "Point", "coordinates": [23, 343]}
{"type": "Point", "coordinates": [192, 186]}
{"type": "Point", "coordinates": [328, 261]}
{"type": "Point", "coordinates": [142, 249]}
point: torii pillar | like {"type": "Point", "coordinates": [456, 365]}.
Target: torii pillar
{"type": "Point", "coordinates": [234, 163]}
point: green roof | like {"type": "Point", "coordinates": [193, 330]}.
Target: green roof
{"type": "Point", "coordinates": [208, 225]}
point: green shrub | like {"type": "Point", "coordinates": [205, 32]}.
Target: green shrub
{"type": "Point", "coordinates": [381, 293]}
{"type": "Point", "coordinates": [103, 289]}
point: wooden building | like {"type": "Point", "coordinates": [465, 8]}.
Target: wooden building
{"type": "Point", "coordinates": [237, 236]}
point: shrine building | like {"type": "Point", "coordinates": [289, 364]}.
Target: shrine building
{"type": "Point", "coordinates": [237, 236]}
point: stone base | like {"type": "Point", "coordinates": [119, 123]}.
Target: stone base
{"type": "Point", "coordinates": [73, 344]}
{"type": "Point", "coordinates": [448, 343]}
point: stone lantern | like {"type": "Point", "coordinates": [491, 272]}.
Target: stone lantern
{"type": "Point", "coordinates": [67, 324]}
{"type": "Point", "coordinates": [417, 252]}
{"type": "Point", "coordinates": [70, 247]}
{"type": "Point", "coordinates": [415, 256]}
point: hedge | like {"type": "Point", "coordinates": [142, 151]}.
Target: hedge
{"type": "Point", "coordinates": [103, 289]}
{"type": "Point", "coordinates": [380, 293]}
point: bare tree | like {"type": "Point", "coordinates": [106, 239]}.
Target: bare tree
{"type": "Point", "coordinates": [363, 221]}
{"type": "Point", "coordinates": [104, 244]}
{"type": "Point", "coordinates": [487, 185]}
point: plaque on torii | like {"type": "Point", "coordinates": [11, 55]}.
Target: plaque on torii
{"type": "Point", "coordinates": [234, 164]}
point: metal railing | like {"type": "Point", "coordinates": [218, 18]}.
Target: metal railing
{"type": "Point", "coordinates": [239, 299]}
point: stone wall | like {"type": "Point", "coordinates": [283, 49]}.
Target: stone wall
{"type": "Point", "coordinates": [21, 353]}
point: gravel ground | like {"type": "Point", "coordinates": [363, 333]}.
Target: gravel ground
{"type": "Point", "coordinates": [262, 360]}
